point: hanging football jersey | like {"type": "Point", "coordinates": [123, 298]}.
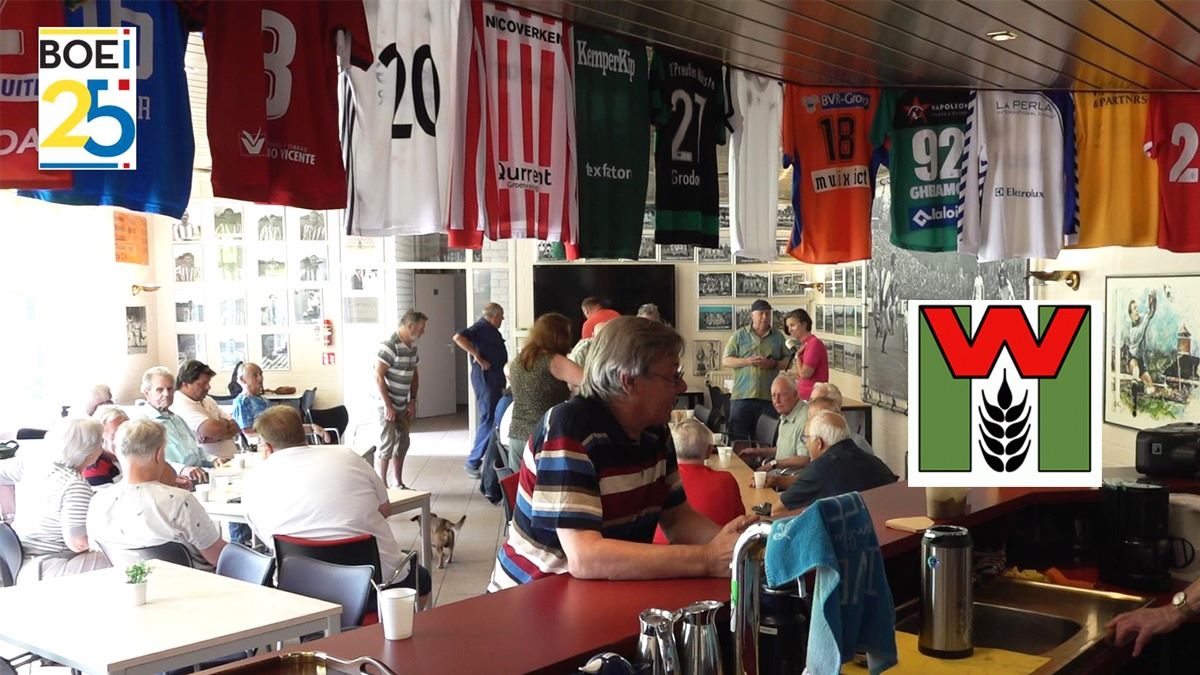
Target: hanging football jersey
{"type": "Point", "coordinates": [272, 97]}
{"type": "Point", "coordinates": [927, 132]}
{"type": "Point", "coordinates": [1118, 185]}
{"type": "Point", "coordinates": [612, 119]}
{"type": "Point", "coordinates": [1172, 138]}
{"type": "Point", "coordinates": [756, 115]}
{"type": "Point", "coordinates": [1018, 183]}
{"type": "Point", "coordinates": [401, 117]}
{"type": "Point", "coordinates": [162, 182]}
{"type": "Point", "coordinates": [687, 106]}
{"type": "Point", "coordinates": [826, 136]}
{"type": "Point", "coordinates": [524, 109]}
{"type": "Point", "coordinates": [19, 94]}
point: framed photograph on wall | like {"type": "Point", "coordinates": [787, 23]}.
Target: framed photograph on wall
{"type": "Point", "coordinates": [648, 250]}
{"type": "Point", "coordinates": [677, 252]}
{"type": "Point", "coordinates": [706, 357]}
{"type": "Point", "coordinates": [186, 228]}
{"type": "Point", "coordinates": [311, 263]}
{"type": "Point", "coordinates": [188, 259]}
{"type": "Point", "coordinates": [275, 352]}
{"type": "Point", "coordinates": [551, 251]}
{"type": "Point", "coordinates": [715, 317]}
{"type": "Point", "coordinates": [741, 316]}
{"type": "Point", "coordinates": [191, 346]}
{"type": "Point", "coordinates": [232, 350]}
{"type": "Point", "coordinates": [230, 262]}
{"type": "Point", "coordinates": [752, 284]}
{"type": "Point", "coordinates": [271, 308]}
{"type": "Point", "coordinates": [722, 255]}
{"type": "Point", "coordinates": [788, 284]}
{"type": "Point", "coordinates": [188, 309]}
{"type": "Point", "coordinates": [266, 222]}
{"type": "Point", "coordinates": [1151, 356]}
{"type": "Point", "coordinates": [233, 311]}
{"type": "Point", "coordinates": [136, 337]}
{"type": "Point", "coordinates": [312, 225]}
{"type": "Point", "coordinates": [309, 305]}
{"type": "Point", "coordinates": [714, 284]}
{"type": "Point", "coordinates": [819, 318]}
{"type": "Point", "coordinates": [366, 280]}
{"type": "Point", "coordinates": [227, 219]}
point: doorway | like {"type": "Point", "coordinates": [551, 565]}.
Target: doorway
{"type": "Point", "coordinates": [442, 296]}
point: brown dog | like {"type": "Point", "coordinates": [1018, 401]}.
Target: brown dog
{"type": "Point", "coordinates": [442, 534]}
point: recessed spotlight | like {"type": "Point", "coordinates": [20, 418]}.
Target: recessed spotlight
{"type": "Point", "coordinates": [1001, 35]}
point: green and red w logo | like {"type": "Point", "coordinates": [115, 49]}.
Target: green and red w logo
{"type": "Point", "coordinates": [1004, 394]}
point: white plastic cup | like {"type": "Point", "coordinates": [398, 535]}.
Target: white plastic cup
{"type": "Point", "coordinates": [202, 492]}
{"type": "Point", "coordinates": [396, 608]}
{"type": "Point", "coordinates": [760, 479]}
{"type": "Point", "coordinates": [724, 454]}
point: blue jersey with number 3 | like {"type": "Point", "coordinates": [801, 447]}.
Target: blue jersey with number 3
{"type": "Point", "coordinates": [162, 182]}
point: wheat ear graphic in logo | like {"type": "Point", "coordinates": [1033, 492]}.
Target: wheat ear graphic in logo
{"type": "Point", "coordinates": [1004, 429]}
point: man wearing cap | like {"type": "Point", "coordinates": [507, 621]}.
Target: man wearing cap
{"type": "Point", "coordinates": [754, 353]}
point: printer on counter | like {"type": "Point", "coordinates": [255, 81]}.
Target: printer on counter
{"type": "Point", "coordinates": [1171, 451]}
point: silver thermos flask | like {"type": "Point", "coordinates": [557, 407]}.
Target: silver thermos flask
{"type": "Point", "coordinates": [947, 603]}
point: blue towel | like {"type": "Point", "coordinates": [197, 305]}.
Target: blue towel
{"type": "Point", "coordinates": [852, 612]}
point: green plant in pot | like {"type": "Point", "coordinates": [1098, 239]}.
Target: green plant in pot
{"type": "Point", "coordinates": [135, 577]}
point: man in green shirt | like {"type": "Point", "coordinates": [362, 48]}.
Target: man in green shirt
{"type": "Point", "coordinates": [793, 414]}
{"type": "Point", "coordinates": [754, 353]}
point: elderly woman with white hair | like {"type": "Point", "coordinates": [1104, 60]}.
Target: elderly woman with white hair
{"type": "Point", "coordinates": [713, 493]}
{"type": "Point", "coordinates": [600, 473]}
{"type": "Point", "coordinates": [52, 501]}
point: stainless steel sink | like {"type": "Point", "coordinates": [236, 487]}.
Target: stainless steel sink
{"type": "Point", "coordinates": [1057, 622]}
{"type": "Point", "coordinates": [1014, 630]}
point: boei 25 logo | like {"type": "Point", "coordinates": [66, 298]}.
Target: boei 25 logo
{"type": "Point", "coordinates": [87, 107]}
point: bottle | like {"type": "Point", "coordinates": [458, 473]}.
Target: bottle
{"type": "Point", "coordinates": [947, 602]}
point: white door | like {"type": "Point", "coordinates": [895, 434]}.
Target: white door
{"type": "Point", "coordinates": [435, 297]}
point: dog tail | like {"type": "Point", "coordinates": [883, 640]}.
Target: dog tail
{"type": "Point", "coordinates": [459, 524]}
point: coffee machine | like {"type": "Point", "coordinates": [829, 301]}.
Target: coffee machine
{"type": "Point", "coordinates": [1135, 548]}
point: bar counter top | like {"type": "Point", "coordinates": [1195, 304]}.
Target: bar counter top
{"type": "Point", "coordinates": [555, 624]}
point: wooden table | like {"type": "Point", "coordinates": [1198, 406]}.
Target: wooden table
{"type": "Point", "coordinates": [400, 501]}
{"type": "Point", "coordinates": [751, 496]}
{"type": "Point", "coordinates": [84, 622]}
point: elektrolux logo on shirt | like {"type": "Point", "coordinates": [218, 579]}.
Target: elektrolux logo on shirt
{"type": "Point", "coordinates": [1004, 394]}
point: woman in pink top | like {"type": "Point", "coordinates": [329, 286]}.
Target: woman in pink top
{"type": "Point", "coordinates": [812, 361]}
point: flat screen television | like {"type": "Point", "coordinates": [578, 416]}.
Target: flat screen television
{"type": "Point", "coordinates": [560, 288]}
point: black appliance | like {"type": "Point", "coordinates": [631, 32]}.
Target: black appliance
{"type": "Point", "coordinates": [560, 288]}
{"type": "Point", "coordinates": [1172, 451]}
{"type": "Point", "coordinates": [783, 628]}
{"type": "Point", "coordinates": [1135, 550]}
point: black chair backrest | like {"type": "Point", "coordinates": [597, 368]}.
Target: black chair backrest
{"type": "Point", "coordinates": [246, 564]}
{"type": "Point", "coordinates": [30, 434]}
{"type": "Point", "coordinates": [307, 399]}
{"type": "Point", "coordinates": [172, 552]}
{"type": "Point", "coordinates": [337, 417]}
{"type": "Point", "coordinates": [361, 550]}
{"type": "Point", "coordinates": [10, 555]}
{"type": "Point", "coordinates": [766, 429]}
{"type": "Point", "coordinates": [720, 404]}
{"type": "Point", "coordinates": [346, 585]}
{"type": "Point", "coordinates": [235, 387]}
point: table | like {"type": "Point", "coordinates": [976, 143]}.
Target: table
{"type": "Point", "coordinates": [401, 501]}
{"type": "Point", "coordinates": [858, 415]}
{"type": "Point", "coordinates": [744, 475]}
{"type": "Point", "coordinates": [190, 616]}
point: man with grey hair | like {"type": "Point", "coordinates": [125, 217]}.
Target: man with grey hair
{"type": "Point", "coordinates": [184, 454]}
{"type": "Point", "coordinates": [793, 414]}
{"type": "Point", "coordinates": [714, 494]}
{"type": "Point", "coordinates": [483, 341]}
{"type": "Point", "coordinates": [396, 383]}
{"type": "Point", "coordinates": [649, 311]}
{"type": "Point", "coordinates": [834, 394]}
{"type": "Point", "coordinates": [98, 396]}
{"type": "Point", "coordinates": [52, 501]}
{"type": "Point", "coordinates": [140, 511]}
{"type": "Point", "coordinates": [838, 466]}
{"type": "Point", "coordinates": [754, 352]}
{"type": "Point", "coordinates": [595, 528]}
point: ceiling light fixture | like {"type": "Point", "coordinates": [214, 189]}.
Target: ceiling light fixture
{"type": "Point", "coordinates": [1001, 35]}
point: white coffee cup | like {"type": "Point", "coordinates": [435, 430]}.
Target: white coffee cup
{"type": "Point", "coordinates": [760, 479]}
{"type": "Point", "coordinates": [724, 453]}
{"type": "Point", "coordinates": [202, 492]}
{"type": "Point", "coordinates": [396, 608]}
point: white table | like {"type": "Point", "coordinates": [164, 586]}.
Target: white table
{"type": "Point", "coordinates": [401, 501]}
{"type": "Point", "coordinates": [84, 621]}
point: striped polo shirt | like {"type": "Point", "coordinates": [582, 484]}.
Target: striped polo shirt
{"type": "Point", "coordinates": [401, 361]}
{"type": "Point", "coordinates": [581, 472]}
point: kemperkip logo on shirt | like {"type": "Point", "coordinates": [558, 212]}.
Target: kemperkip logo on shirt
{"type": "Point", "coordinates": [1004, 394]}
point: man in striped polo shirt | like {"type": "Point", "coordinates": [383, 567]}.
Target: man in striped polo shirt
{"type": "Point", "coordinates": [396, 379]}
{"type": "Point", "coordinates": [601, 475]}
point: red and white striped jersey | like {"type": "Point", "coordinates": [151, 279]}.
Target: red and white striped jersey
{"type": "Point", "coordinates": [520, 182]}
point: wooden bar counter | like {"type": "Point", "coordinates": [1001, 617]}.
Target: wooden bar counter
{"type": "Point", "coordinates": [554, 625]}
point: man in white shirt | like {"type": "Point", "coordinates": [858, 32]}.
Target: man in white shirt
{"type": "Point", "coordinates": [214, 429]}
{"type": "Point", "coordinates": [140, 511]}
{"type": "Point", "coordinates": [317, 492]}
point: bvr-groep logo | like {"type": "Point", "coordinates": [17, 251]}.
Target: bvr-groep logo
{"type": "Point", "coordinates": [87, 109]}
{"type": "Point", "coordinates": [1004, 394]}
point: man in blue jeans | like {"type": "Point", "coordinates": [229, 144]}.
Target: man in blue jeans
{"type": "Point", "coordinates": [482, 340]}
{"type": "Point", "coordinates": [755, 353]}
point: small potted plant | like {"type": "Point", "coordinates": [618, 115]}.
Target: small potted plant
{"type": "Point", "coordinates": [135, 577]}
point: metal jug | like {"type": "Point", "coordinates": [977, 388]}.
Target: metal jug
{"type": "Point", "coordinates": [947, 606]}
{"type": "Point", "coordinates": [701, 650]}
{"type": "Point", "coordinates": [656, 641]}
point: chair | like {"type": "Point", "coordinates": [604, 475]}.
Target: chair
{"type": "Point", "coordinates": [10, 555]}
{"type": "Point", "coordinates": [246, 564]}
{"type": "Point", "coordinates": [222, 400]}
{"type": "Point", "coordinates": [172, 552]}
{"type": "Point", "coordinates": [346, 585]}
{"type": "Point", "coordinates": [766, 430]}
{"type": "Point", "coordinates": [30, 434]}
{"type": "Point", "coordinates": [509, 485]}
{"type": "Point", "coordinates": [334, 419]}
{"type": "Point", "coordinates": [235, 387]}
{"type": "Point", "coordinates": [720, 402]}
{"type": "Point", "coordinates": [708, 417]}
{"type": "Point", "coordinates": [358, 550]}
{"type": "Point", "coordinates": [307, 399]}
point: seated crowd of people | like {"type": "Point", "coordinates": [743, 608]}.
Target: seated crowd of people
{"type": "Point", "coordinates": [106, 482]}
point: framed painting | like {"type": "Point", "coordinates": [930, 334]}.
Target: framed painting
{"type": "Point", "coordinates": [1150, 354]}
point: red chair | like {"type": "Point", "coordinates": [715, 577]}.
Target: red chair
{"type": "Point", "coordinates": [509, 485]}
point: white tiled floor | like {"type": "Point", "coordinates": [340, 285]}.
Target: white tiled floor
{"type": "Point", "coordinates": [435, 463]}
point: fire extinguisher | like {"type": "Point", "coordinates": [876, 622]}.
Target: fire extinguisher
{"type": "Point", "coordinates": [327, 332]}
